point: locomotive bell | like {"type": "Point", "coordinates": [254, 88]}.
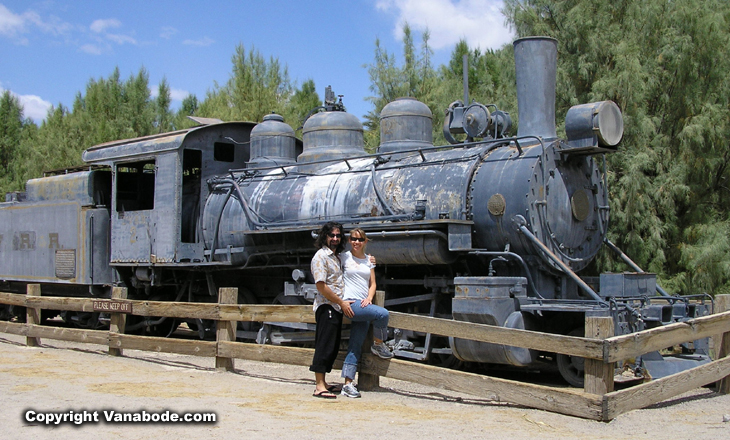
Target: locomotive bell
{"type": "Point", "coordinates": [272, 142]}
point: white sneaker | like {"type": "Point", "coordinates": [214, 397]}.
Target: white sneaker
{"type": "Point", "coordinates": [350, 390]}
{"type": "Point", "coordinates": [382, 351]}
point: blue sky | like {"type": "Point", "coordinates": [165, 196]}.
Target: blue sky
{"type": "Point", "coordinates": [50, 49]}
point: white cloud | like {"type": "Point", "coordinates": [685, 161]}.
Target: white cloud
{"type": "Point", "coordinates": [10, 24]}
{"type": "Point", "coordinates": [480, 22]}
{"type": "Point", "coordinates": [53, 25]}
{"type": "Point", "coordinates": [34, 107]}
{"type": "Point", "coordinates": [206, 41]}
{"type": "Point", "coordinates": [14, 25]}
{"type": "Point", "coordinates": [167, 32]}
{"type": "Point", "coordinates": [91, 49]}
{"type": "Point", "coordinates": [100, 26]}
{"type": "Point", "coordinates": [121, 39]}
{"type": "Point", "coordinates": [178, 95]}
{"type": "Point", "coordinates": [175, 94]}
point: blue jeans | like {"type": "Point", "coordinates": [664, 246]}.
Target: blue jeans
{"type": "Point", "coordinates": [358, 331]}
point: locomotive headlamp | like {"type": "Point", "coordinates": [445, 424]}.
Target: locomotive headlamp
{"type": "Point", "coordinates": [476, 120]}
{"type": "Point", "coordinates": [594, 128]}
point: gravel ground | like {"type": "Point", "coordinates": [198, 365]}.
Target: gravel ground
{"type": "Point", "coordinates": [264, 400]}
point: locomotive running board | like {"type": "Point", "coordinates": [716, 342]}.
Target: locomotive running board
{"type": "Point", "coordinates": [174, 264]}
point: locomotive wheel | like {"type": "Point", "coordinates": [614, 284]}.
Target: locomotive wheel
{"type": "Point", "coordinates": [204, 327]}
{"type": "Point", "coordinates": [86, 320]}
{"type": "Point", "coordinates": [446, 361]}
{"type": "Point", "coordinates": [246, 297]}
{"type": "Point", "coordinates": [284, 300]}
{"type": "Point", "coordinates": [165, 328]}
{"type": "Point", "coordinates": [572, 368]}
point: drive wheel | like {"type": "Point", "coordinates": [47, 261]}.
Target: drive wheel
{"type": "Point", "coordinates": [163, 329]}
{"type": "Point", "coordinates": [246, 330]}
{"type": "Point", "coordinates": [572, 368]}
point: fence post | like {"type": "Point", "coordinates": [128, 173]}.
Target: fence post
{"type": "Point", "coordinates": [598, 374]}
{"type": "Point", "coordinates": [118, 320]}
{"type": "Point", "coordinates": [722, 342]}
{"type": "Point", "coordinates": [226, 330]}
{"type": "Point", "coordinates": [365, 381]}
{"type": "Point", "coordinates": [33, 315]}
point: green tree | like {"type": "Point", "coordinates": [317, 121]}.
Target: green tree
{"type": "Point", "coordinates": [255, 89]}
{"type": "Point", "coordinates": [660, 61]}
{"type": "Point", "coordinates": [16, 137]}
{"type": "Point", "coordinates": [304, 100]}
{"type": "Point", "coordinates": [163, 115]}
{"type": "Point", "coordinates": [189, 107]}
{"type": "Point", "coordinates": [11, 128]}
{"type": "Point", "coordinates": [416, 79]}
{"type": "Point", "coordinates": [113, 109]}
{"type": "Point", "coordinates": [110, 109]}
{"type": "Point", "coordinates": [137, 117]}
{"type": "Point", "coordinates": [490, 81]}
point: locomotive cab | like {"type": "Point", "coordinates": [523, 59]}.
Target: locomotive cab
{"type": "Point", "coordinates": [157, 188]}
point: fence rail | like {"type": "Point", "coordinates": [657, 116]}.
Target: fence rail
{"type": "Point", "coordinates": [598, 400]}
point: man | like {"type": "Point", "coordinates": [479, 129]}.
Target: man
{"type": "Point", "coordinates": [328, 304]}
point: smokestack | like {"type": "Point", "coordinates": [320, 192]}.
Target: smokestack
{"type": "Point", "coordinates": [536, 65]}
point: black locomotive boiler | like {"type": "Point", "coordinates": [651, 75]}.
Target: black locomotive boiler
{"type": "Point", "coordinates": [494, 229]}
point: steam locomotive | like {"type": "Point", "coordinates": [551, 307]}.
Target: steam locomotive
{"type": "Point", "coordinates": [491, 229]}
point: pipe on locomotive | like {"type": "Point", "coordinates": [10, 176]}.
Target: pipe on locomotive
{"type": "Point", "coordinates": [520, 260]}
{"type": "Point", "coordinates": [382, 201]}
{"type": "Point", "coordinates": [520, 222]}
{"type": "Point", "coordinates": [631, 263]}
{"type": "Point", "coordinates": [250, 213]}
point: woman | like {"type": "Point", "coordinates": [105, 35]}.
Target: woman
{"type": "Point", "coordinates": [359, 275]}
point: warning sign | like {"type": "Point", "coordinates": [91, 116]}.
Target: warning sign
{"type": "Point", "coordinates": [112, 306]}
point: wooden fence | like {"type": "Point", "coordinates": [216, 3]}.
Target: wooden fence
{"type": "Point", "coordinates": [598, 400]}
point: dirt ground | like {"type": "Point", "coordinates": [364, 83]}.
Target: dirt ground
{"type": "Point", "coordinates": [273, 401]}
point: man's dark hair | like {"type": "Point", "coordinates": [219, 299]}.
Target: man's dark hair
{"type": "Point", "coordinates": [324, 231]}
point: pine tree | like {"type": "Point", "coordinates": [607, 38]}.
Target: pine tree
{"type": "Point", "coordinates": [255, 89]}
{"type": "Point", "coordinates": [661, 62]}
{"type": "Point", "coordinates": [189, 107]}
{"type": "Point", "coordinates": [303, 101]}
{"type": "Point", "coordinates": [163, 118]}
{"type": "Point", "coordinates": [11, 127]}
{"type": "Point", "coordinates": [416, 79]}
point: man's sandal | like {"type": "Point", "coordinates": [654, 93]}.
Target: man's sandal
{"type": "Point", "coordinates": [326, 394]}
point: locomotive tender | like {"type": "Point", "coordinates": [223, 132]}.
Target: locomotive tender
{"type": "Point", "coordinates": [492, 229]}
